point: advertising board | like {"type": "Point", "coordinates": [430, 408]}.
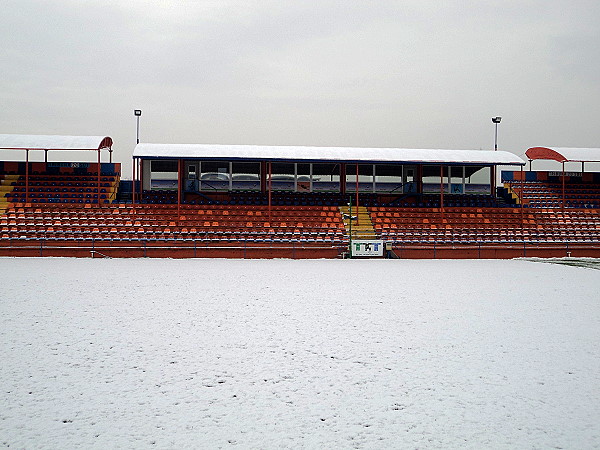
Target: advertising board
{"type": "Point", "coordinates": [367, 248]}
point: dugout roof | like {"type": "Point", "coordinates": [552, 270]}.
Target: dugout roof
{"type": "Point", "coordinates": [53, 142]}
{"type": "Point", "coordinates": [319, 154]}
{"type": "Point", "coordinates": [564, 154]}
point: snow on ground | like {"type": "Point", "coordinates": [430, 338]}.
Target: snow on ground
{"type": "Point", "coordinates": [148, 353]}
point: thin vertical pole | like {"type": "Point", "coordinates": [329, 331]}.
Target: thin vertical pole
{"type": "Point", "coordinates": [133, 181]}
{"type": "Point", "coordinates": [141, 175]}
{"type": "Point", "coordinates": [179, 176]}
{"type": "Point", "coordinates": [496, 138]}
{"type": "Point", "coordinates": [563, 185]}
{"type": "Point", "coordinates": [98, 175]}
{"type": "Point", "coordinates": [350, 228]}
{"type": "Point", "coordinates": [137, 130]}
{"type": "Point", "coordinates": [45, 156]}
{"type": "Point", "coordinates": [402, 180]}
{"type": "Point", "coordinates": [521, 195]}
{"type": "Point", "coordinates": [374, 178]}
{"type": "Point", "coordinates": [493, 183]}
{"type": "Point", "coordinates": [295, 177]}
{"type": "Point", "coordinates": [270, 186]}
{"type": "Point", "coordinates": [263, 177]}
{"type": "Point", "coordinates": [442, 192]}
{"type": "Point", "coordinates": [356, 196]}
{"type": "Point", "coordinates": [27, 176]}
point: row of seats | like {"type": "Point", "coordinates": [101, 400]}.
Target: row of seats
{"type": "Point", "coordinates": [82, 188]}
{"type": "Point", "coordinates": [299, 223]}
{"type": "Point", "coordinates": [49, 197]}
{"type": "Point", "coordinates": [324, 199]}
{"type": "Point", "coordinates": [450, 200]}
{"type": "Point", "coordinates": [142, 222]}
{"type": "Point", "coordinates": [497, 225]}
{"type": "Point", "coordinates": [542, 194]}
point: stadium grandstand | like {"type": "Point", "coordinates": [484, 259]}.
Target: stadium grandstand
{"type": "Point", "coordinates": [249, 201]}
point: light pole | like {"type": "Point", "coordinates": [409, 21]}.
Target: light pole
{"type": "Point", "coordinates": [496, 120]}
{"type": "Point", "coordinates": [137, 113]}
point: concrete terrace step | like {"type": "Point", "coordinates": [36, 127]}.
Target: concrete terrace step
{"type": "Point", "coordinates": [362, 227]}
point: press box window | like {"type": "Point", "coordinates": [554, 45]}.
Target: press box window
{"type": "Point", "coordinates": [163, 166]}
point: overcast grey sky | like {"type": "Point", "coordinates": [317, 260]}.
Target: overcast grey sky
{"type": "Point", "coordinates": [419, 74]}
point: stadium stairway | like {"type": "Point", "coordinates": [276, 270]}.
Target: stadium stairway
{"type": "Point", "coordinates": [512, 193]}
{"type": "Point", "coordinates": [6, 187]}
{"type": "Point", "coordinates": [364, 228]}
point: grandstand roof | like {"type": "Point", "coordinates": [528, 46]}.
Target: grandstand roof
{"type": "Point", "coordinates": [342, 154]}
{"type": "Point", "coordinates": [53, 142]}
{"type": "Point", "coordinates": [564, 154]}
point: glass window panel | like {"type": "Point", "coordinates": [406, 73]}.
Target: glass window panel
{"type": "Point", "coordinates": [163, 166]}
{"type": "Point", "coordinates": [246, 176]}
{"type": "Point", "coordinates": [326, 177]}
{"type": "Point", "coordinates": [282, 176]}
{"type": "Point", "coordinates": [478, 180]}
{"type": "Point", "coordinates": [388, 178]}
{"type": "Point", "coordinates": [214, 175]}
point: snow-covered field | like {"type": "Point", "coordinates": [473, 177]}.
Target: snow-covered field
{"type": "Point", "coordinates": [110, 353]}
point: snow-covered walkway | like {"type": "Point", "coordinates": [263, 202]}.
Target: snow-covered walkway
{"type": "Point", "coordinates": [303, 354]}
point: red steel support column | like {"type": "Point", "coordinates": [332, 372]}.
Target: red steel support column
{"type": "Point", "coordinates": [27, 176]}
{"type": "Point", "coordinates": [98, 175]}
{"type": "Point", "coordinates": [270, 186]}
{"type": "Point", "coordinates": [133, 181]}
{"type": "Point", "coordinates": [563, 186]}
{"type": "Point", "coordinates": [521, 195]}
{"type": "Point", "coordinates": [442, 192]}
{"type": "Point", "coordinates": [263, 177]}
{"type": "Point", "coordinates": [356, 195]}
{"type": "Point", "coordinates": [179, 191]}
{"type": "Point", "coordinates": [342, 178]}
{"type": "Point", "coordinates": [141, 175]}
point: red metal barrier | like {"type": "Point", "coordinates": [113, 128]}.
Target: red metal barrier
{"type": "Point", "coordinates": [294, 250]}
{"type": "Point", "coordinates": [163, 249]}
{"type": "Point", "coordinates": [497, 251]}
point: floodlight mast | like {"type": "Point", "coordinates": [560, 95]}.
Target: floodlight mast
{"type": "Point", "coordinates": [137, 113]}
{"type": "Point", "coordinates": [496, 121]}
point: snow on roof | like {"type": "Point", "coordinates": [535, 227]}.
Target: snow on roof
{"type": "Point", "coordinates": [564, 154]}
{"type": "Point", "coordinates": [53, 142]}
{"type": "Point", "coordinates": [347, 154]}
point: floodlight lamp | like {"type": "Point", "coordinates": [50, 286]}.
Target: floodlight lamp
{"type": "Point", "coordinates": [496, 119]}
{"type": "Point", "coordinates": [137, 112]}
